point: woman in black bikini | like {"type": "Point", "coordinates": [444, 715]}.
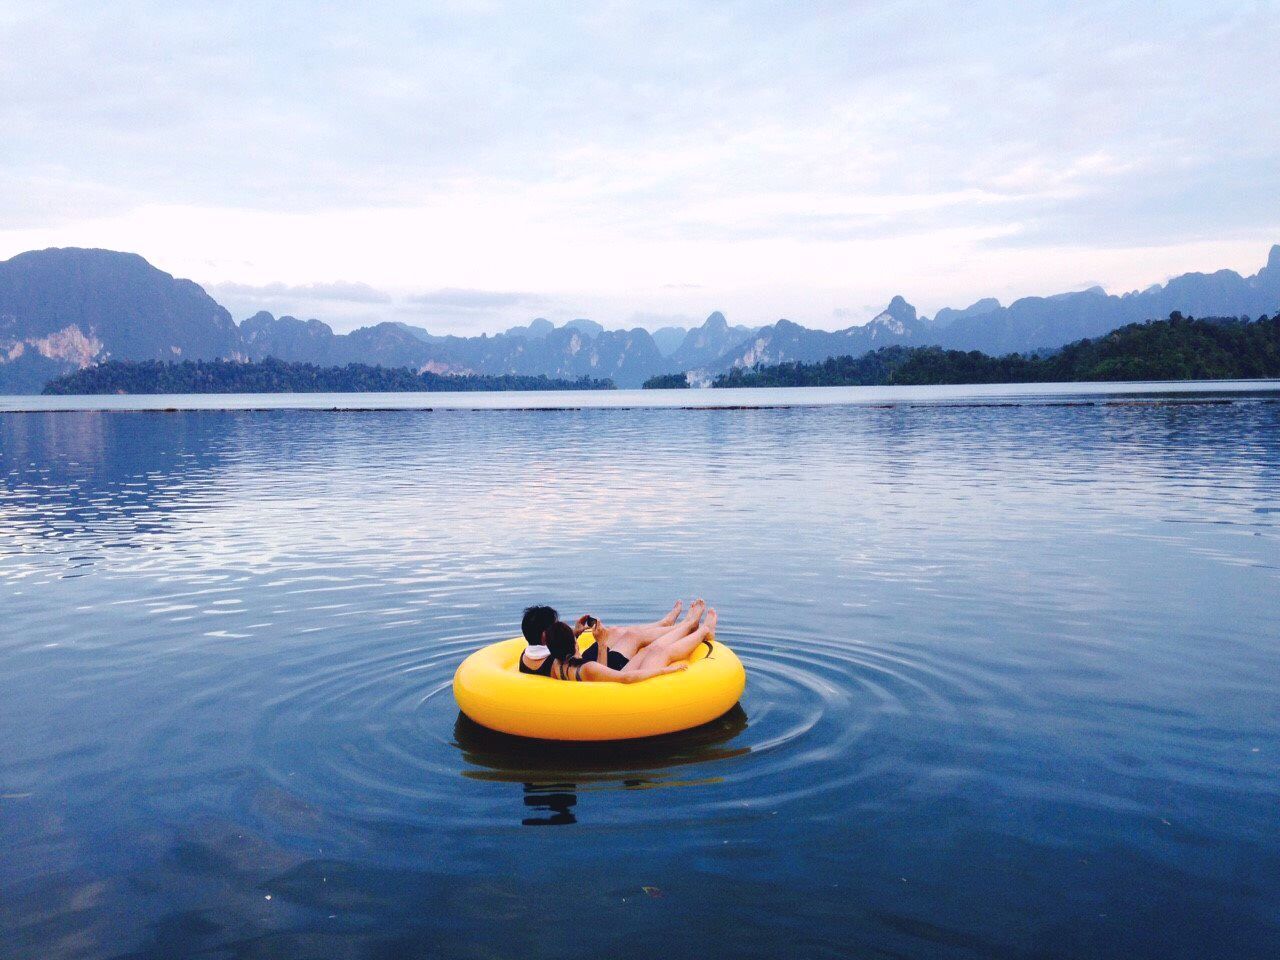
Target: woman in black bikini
{"type": "Point", "coordinates": [620, 654]}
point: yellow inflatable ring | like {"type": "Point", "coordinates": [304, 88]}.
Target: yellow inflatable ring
{"type": "Point", "coordinates": [491, 690]}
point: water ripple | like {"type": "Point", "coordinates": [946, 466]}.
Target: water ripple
{"type": "Point", "coordinates": [1006, 665]}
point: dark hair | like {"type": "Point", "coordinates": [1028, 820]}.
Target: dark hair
{"type": "Point", "coordinates": [560, 641]}
{"type": "Point", "coordinates": [536, 620]}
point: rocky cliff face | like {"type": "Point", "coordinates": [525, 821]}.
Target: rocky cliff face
{"type": "Point", "coordinates": [62, 309]}
{"type": "Point", "coordinates": [786, 341]}
{"type": "Point", "coordinates": [705, 344]}
{"type": "Point", "coordinates": [307, 341]}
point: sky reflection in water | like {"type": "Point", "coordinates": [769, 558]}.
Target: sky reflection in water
{"type": "Point", "coordinates": [1011, 682]}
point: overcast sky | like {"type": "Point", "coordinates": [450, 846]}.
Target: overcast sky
{"type": "Point", "coordinates": [468, 165]}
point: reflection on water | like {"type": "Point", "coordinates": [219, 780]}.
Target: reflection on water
{"type": "Point", "coordinates": [1011, 682]}
{"type": "Point", "coordinates": [738, 397]}
{"type": "Point", "coordinates": [552, 774]}
{"type": "Point", "coordinates": [556, 799]}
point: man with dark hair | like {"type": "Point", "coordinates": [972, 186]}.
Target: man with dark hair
{"type": "Point", "coordinates": [535, 623]}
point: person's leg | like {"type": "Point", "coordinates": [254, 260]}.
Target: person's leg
{"type": "Point", "coordinates": [647, 632]}
{"type": "Point", "coordinates": [675, 646]}
{"type": "Point", "coordinates": [672, 615]}
{"type": "Point", "coordinates": [628, 642]}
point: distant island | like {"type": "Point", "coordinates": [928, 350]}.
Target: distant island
{"type": "Point", "coordinates": [277, 376]}
{"type": "Point", "coordinates": [667, 381]}
{"type": "Point", "coordinates": [1180, 348]}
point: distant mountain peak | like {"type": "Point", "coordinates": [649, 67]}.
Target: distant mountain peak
{"type": "Point", "coordinates": [898, 318]}
{"type": "Point", "coordinates": [538, 329]}
{"type": "Point", "coordinates": [899, 309]}
{"type": "Point", "coordinates": [978, 308]}
{"type": "Point", "coordinates": [668, 339]}
{"type": "Point", "coordinates": [96, 256]}
{"type": "Point", "coordinates": [588, 328]}
{"type": "Point", "coordinates": [705, 344]}
{"type": "Point", "coordinates": [1273, 259]}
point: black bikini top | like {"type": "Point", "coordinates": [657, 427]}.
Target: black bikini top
{"type": "Point", "coordinates": [570, 669]}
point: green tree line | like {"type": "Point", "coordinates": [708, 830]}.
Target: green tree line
{"type": "Point", "coordinates": [667, 381]}
{"type": "Point", "coordinates": [278, 376]}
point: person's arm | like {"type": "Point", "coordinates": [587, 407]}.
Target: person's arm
{"type": "Point", "coordinates": [580, 627]}
{"type": "Point", "coordinates": [599, 673]}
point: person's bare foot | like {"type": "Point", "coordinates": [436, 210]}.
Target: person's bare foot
{"type": "Point", "coordinates": [695, 611]}
{"type": "Point", "coordinates": [673, 616]}
{"type": "Point", "coordinates": [710, 622]}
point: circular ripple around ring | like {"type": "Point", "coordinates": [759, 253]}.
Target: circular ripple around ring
{"type": "Point", "coordinates": [817, 716]}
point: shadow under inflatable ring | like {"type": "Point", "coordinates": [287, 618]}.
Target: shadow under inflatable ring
{"type": "Point", "coordinates": [491, 690]}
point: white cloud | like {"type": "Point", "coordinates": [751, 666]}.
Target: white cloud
{"type": "Point", "coordinates": [454, 299]}
{"type": "Point", "coordinates": [284, 293]}
{"type": "Point", "coordinates": [659, 159]}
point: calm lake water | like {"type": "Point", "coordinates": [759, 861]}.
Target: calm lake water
{"type": "Point", "coordinates": [1013, 680]}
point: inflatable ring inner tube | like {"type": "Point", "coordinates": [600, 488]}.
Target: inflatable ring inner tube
{"type": "Point", "coordinates": [491, 690]}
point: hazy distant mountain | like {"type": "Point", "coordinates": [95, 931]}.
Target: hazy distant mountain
{"type": "Point", "coordinates": [589, 327]}
{"type": "Point", "coordinates": [62, 309]}
{"type": "Point", "coordinates": [668, 339]}
{"type": "Point", "coordinates": [1028, 324]}
{"type": "Point", "coordinates": [981, 308]}
{"type": "Point", "coordinates": [629, 357]}
{"type": "Point", "coordinates": [898, 319]}
{"type": "Point", "coordinates": [308, 341]}
{"type": "Point", "coordinates": [705, 344]}
{"type": "Point", "coordinates": [422, 333]}
{"type": "Point", "coordinates": [784, 340]}
{"type": "Point", "coordinates": [311, 341]}
{"type": "Point", "coordinates": [536, 330]}
{"type": "Point", "coordinates": [1035, 322]}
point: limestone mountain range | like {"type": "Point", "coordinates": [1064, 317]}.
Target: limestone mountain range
{"type": "Point", "coordinates": [63, 309]}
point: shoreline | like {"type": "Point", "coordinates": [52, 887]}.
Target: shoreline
{"type": "Point", "coordinates": [1172, 392]}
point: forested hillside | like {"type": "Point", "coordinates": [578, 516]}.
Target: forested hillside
{"type": "Point", "coordinates": [1180, 348]}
